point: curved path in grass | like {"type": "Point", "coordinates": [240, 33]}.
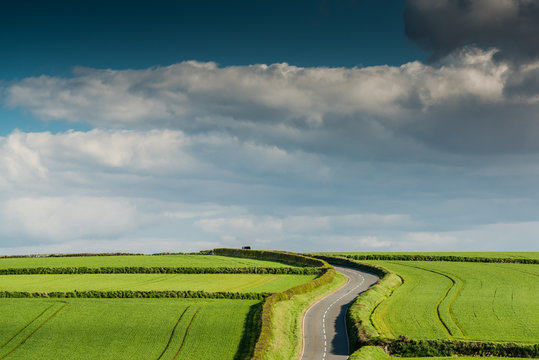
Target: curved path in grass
{"type": "Point", "coordinates": [324, 324]}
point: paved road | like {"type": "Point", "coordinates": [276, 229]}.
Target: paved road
{"type": "Point", "coordinates": [324, 327]}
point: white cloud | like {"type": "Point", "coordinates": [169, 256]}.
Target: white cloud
{"type": "Point", "coordinates": [63, 218]}
{"type": "Point", "coordinates": [185, 93]}
{"type": "Point", "coordinates": [281, 156]}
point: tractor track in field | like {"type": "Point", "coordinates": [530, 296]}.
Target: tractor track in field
{"type": "Point", "coordinates": [22, 341]}
{"type": "Point", "coordinates": [444, 297]}
{"type": "Point", "coordinates": [173, 332]}
{"type": "Point", "coordinates": [187, 331]}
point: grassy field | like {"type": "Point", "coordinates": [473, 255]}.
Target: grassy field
{"type": "Point", "coordinates": [121, 328]}
{"type": "Point", "coordinates": [138, 260]}
{"type": "Point", "coordinates": [147, 282]}
{"type": "Point", "coordinates": [457, 300]}
{"type": "Point", "coordinates": [490, 254]}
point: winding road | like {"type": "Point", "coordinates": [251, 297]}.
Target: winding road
{"type": "Point", "coordinates": [324, 325]}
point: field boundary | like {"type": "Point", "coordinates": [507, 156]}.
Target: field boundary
{"type": "Point", "coordinates": [161, 270]}
{"type": "Point", "coordinates": [417, 257]}
{"type": "Point", "coordinates": [364, 332]}
{"type": "Point", "coordinates": [120, 294]}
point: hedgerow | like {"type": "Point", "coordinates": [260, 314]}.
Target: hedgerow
{"type": "Point", "coordinates": [161, 270]}
{"type": "Point", "coordinates": [273, 256]}
{"type": "Point", "coordinates": [407, 347]}
{"type": "Point", "coordinates": [113, 294]}
{"type": "Point", "coordinates": [419, 257]}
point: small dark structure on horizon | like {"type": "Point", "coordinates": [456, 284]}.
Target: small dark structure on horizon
{"type": "Point", "coordinates": [246, 248]}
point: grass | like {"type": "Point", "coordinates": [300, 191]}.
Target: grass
{"type": "Point", "coordinates": [138, 260]}
{"type": "Point", "coordinates": [122, 329]}
{"type": "Point", "coordinates": [287, 320]}
{"type": "Point", "coordinates": [147, 282]}
{"type": "Point", "coordinates": [457, 300]}
{"type": "Point", "coordinates": [369, 353]}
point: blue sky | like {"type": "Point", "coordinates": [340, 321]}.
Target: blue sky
{"type": "Point", "coordinates": [309, 125]}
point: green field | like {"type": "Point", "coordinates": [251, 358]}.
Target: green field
{"type": "Point", "coordinates": [458, 300]}
{"type": "Point", "coordinates": [489, 254]}
{"type": "Point", "coordinates": [138, 261]}
{"type": "Point", "coordinates": [148, 282]}
{"type": "Point", "coordinates": [122, 328]}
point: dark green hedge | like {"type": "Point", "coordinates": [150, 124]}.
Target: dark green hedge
{"type": "Point", "coordinates": [264, 321]}
{"type": "Point", "coordinates": [134, 294]}
{"type": "Point", "coordinates": [371, 268]}
{"type": "Point", "coordinates": [408, 348]}
{"type": "Point", "coordinates": [280, 256]}
{"type": "Point", "coordinates": [160, 270]}
{"type": "Point", "coordinates": [68, 255]}
{"type": "Point", "coordinates": [203, 252]}
{"type": "Point", "coordinates": [418, 257]}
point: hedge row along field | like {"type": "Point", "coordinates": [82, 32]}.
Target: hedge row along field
{"type": "Point", "coordinates": [376, 353]}
{"type": "Point", "coordinates": [161, 270]}
{"type": "Point", "coordinates": [436, 300]}
{"type": "Point", "coordinates": [126, 294]}
{"type": "Point", "coordinates": [457, 257]}
{"type": "Point", "coordinates": [125, 329]}
{"type": "Point", "coordinates": [141, 261]}
{"type": "Point", "coordinates": [467, 255]}
{"type": "Point", "coordinates": [262, 283]}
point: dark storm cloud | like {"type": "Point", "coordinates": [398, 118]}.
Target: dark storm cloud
{"type": "Point", "coordinates": [443, 26]}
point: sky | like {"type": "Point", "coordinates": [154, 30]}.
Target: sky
{"type": "Point", "coordinates": [366, 125]}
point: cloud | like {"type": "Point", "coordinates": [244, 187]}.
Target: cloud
{"type": "Point", "coordinates": [165, 190]}
{"type": "Point", "coordinates": [443, 26]}
{"type": "Point", "coordinates": [413, 157]}
{"type": "Point", "coordinates": [348, 111]}
{"type": "Point", "coordinates": [63, 218]}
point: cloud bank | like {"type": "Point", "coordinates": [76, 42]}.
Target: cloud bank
{"type": "Point", "coordinates": [439, 156]}
{"type": "Point", "coordinates": [444, 107]}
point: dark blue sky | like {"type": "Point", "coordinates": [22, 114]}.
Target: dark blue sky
{"type": "Point", "coordinates": [50, 37]}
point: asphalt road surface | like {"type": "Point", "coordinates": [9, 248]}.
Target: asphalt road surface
{"type": "Point", "coordinates": [324, 325]}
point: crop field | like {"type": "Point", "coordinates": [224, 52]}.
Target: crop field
{"type": "Point", "coordinates": [459, 300]}
{"type": "Point", "coordinates": [148, 282]}
{"type": "Point", "coordinates": [138, 261]}
{"type": "Point", "coordinates": [122, 328]}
